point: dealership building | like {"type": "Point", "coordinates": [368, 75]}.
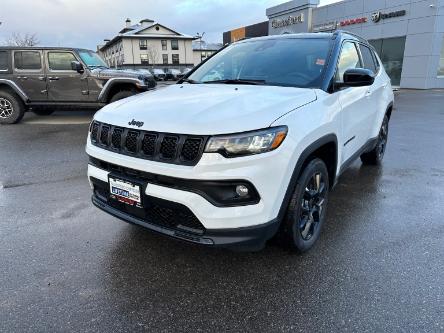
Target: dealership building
{"type": "Point", "coordinates": [407, 34]}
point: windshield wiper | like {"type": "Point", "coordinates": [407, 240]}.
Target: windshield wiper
{"type": "Point", "coordinates": [237, 81]}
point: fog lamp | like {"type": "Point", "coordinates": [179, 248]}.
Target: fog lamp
{"type": "Point", "coordinates": [242, 190]}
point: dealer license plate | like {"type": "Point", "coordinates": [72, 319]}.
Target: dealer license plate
{"type": "Point", "coordinates": [125, 191]}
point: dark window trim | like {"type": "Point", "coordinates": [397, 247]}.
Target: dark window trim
{"type": "Point", "coordinates": [30, 70]}
{"type": "Point", "coordinates": [8, 62]}
{"type": "Point", "coordinates": [59, 70]}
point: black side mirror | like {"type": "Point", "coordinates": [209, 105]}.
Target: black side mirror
{"type": "Point", "coordinates": [358, 77]}
{"type": "Point", "coordinates": [77, 66]}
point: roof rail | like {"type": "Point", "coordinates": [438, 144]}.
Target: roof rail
{"type": "Point", "coordinates": [339, 32]}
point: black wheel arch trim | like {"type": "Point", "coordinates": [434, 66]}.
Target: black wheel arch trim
{"type": "Point", "coordinates": [15, 88]}
{"type": "Point", "coordinates": [104, 95]}
{"type": "Point", "coordinates": [329, 138]}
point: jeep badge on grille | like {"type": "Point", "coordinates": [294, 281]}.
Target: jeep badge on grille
{"type": "Point", "coordinates": [136, 123]}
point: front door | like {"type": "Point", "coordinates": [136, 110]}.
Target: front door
{"type": "Point", "coordinates": [355, 103]}
{"type": "Point", "coordinates": [65, 84]}
{"type": "Point", "coordinates": [29, 74]}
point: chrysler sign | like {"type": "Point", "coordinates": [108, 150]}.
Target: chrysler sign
{"type": "Point", "coordinates": [378, 16]}
{"type": "Point", "coordinates": [288, 21]}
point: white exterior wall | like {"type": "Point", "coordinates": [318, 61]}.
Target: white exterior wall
{"type": "Point", "coordinates": [131, 50]}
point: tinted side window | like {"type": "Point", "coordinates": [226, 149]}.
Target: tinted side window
{"type": "Point", "coordinates": [3, 61]}
{"type": "Point", "coordinates": [349, 58]}
{"type": "Point", "coordinates": [27, 60]}
{"type": "Point", "coordinates": [367, 58]}
{"type": "Point", "coordinates": [60, 61]}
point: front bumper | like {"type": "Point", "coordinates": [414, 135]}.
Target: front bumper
{"type": "Point", "coordinates": [251, 238]}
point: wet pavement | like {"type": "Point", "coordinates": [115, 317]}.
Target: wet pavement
{"type": "Point", "coordinates": [378, 266]}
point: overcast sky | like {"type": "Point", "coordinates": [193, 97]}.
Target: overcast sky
{"type": "Point", "coordinates": [85, 23]}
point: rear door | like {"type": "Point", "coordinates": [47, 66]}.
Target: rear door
{"type": "Point", "coordinates": [29, 74]}
{"type": "Point", "coordinates": [65, 84]}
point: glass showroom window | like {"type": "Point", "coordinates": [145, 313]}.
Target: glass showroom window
{"type": "Point", "coordinates": [441, 62]}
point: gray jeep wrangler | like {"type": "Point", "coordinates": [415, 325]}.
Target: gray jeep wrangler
{"type": "Point", "coordinates": [47, 79]}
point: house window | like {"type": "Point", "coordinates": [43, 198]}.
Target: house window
{"type": "Point", "coordinates": [142, 44]}
{"type": "Point", "coordinates": [165, 59]}
{"type": "Point", "coordinates": [164, 44]}
{"type": "Point", "coordinates": [144, 59]}
{"type": "Point", "coordinates": [174, 44]}
{"type": "Point", "coordinates": [175, 59]}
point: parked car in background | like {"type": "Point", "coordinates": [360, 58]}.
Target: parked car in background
{"type": "Point", "coordinates": [173, 74]}
{"type": "Point", "coordinates": [186, 71]}
{"type": "Point", "coordinates": [43, 79]}
{"type": "Point", "coordinates": [249, 145]}
{"type": "Point", "coordinates": [158, 74]}
{"type": "Point", "coordinates": [144, 71]}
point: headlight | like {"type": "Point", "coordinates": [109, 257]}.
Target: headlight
{"type": "Point", "coordinates": [247, 143]}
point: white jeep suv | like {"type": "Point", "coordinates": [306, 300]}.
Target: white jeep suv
{"type": "Point", "coordinates": [247, 145]}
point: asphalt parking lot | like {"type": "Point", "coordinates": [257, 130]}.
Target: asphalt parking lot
{"type": "Point", "coordinates": [66, 266]}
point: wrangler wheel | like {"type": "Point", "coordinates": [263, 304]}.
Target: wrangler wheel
{"type": "Point", "coordinates": [12, 108]}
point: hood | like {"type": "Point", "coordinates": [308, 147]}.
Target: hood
{"type": "Point", "coordinates": [108, 73]}
{"type": "Point", "coordinates": [206, 109]}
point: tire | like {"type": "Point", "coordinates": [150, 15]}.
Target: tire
{"type": "Point", "coordinates": [375, 156]}
{"type": "Point", "coordinates": [122, 94]}
{"type": "Point", "coordinates": [306, 211]}
{"type": "Point", "coordinates": [43, 112]}
{"type": "Point", "coordinates": [12, 108]}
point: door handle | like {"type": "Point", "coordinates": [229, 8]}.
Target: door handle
{"type": "Point", "coordinates": [22, 77]}
{"type": "Point", "coordinates": [53, 78]}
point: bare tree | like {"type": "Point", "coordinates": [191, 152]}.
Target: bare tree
{"type": "Point", "coordinates": [17, 39]}
{"type": "Point", "coordinates": [153, 55]}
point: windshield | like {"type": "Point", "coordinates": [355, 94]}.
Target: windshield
{"type": "Point", "coordinates": [92, 59]}
{"type": "Point", "coordinates": [290, 62]}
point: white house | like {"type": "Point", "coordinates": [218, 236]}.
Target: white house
{"type": "Point", "coordinates": [147, 45]}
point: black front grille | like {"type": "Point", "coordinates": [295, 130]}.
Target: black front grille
{"type": "Point", "coordinates": [168, 147]}
{"type": "Point", "coordinates": [131, 141]}
{"type": "Point", "coordinates": [116, 137]}
{"type": "Point", "coordinates": [162, 147]}
{"type": "Point", "coordinates": [104, 133]}
{"type": "Point", "coordinates": [149, 144]}
{"type": "Point", "coordinates": [190, 149]}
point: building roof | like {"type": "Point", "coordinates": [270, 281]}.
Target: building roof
{"type": "Point", "coordinates": [137, 31]}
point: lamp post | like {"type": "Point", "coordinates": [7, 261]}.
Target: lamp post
{"type": "Point", "coordinates": [200, 36]}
